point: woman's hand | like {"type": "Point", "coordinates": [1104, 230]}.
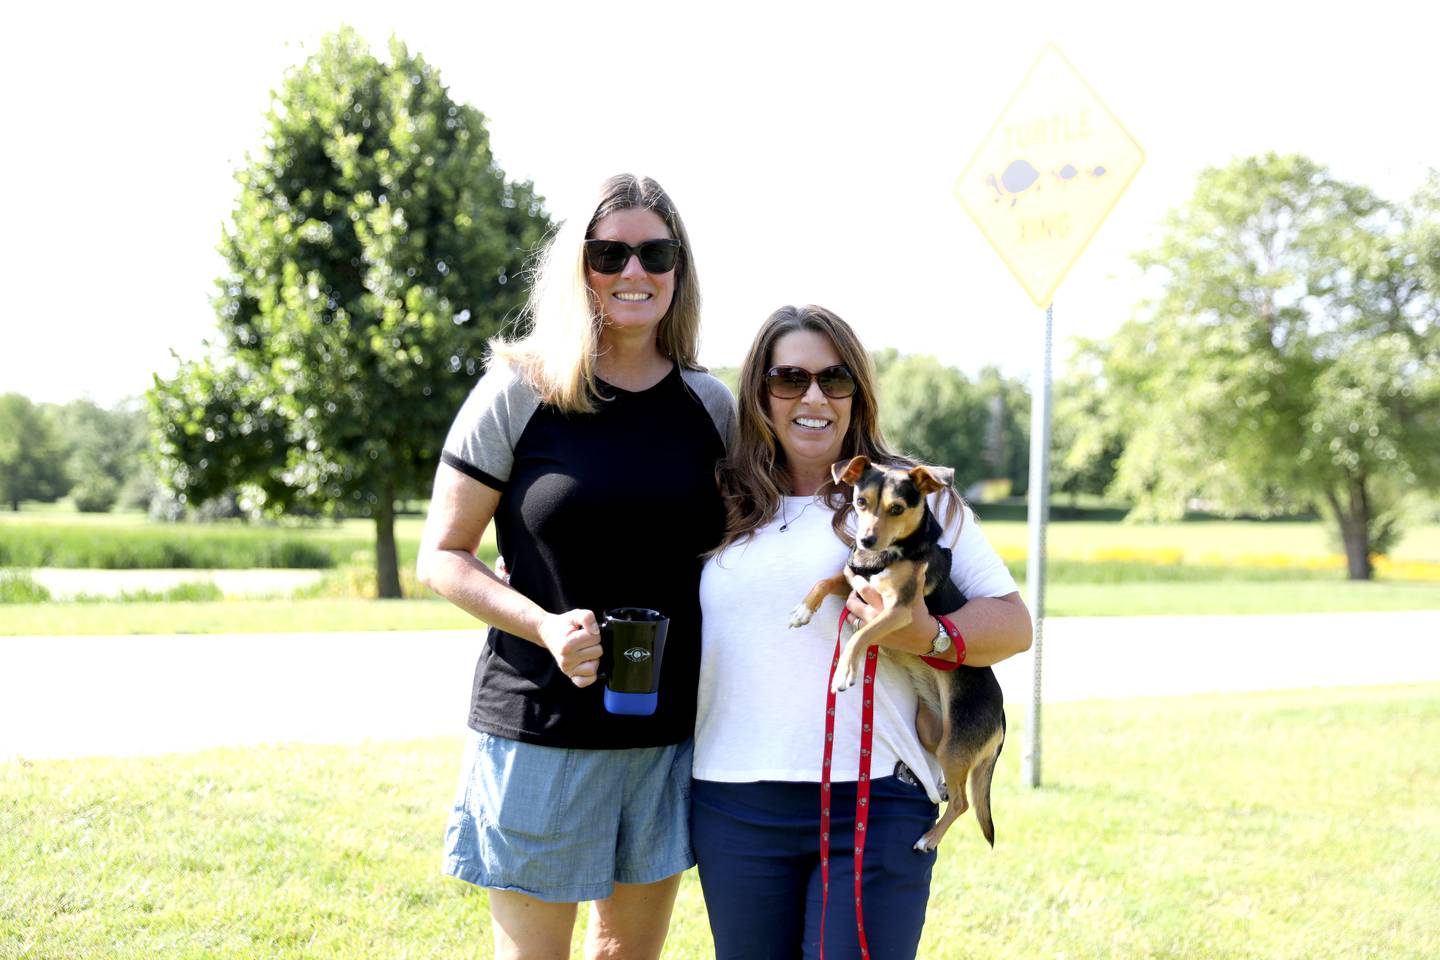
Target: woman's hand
{"type": "Point", "coordinates": [866, 604]}
{"type": "Point", "coordinates": [573, 639]}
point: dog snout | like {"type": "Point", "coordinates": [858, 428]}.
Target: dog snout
{"type": "Point", "coordinates": [869, 540]}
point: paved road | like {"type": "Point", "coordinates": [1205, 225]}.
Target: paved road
{"type": "Point", "coordinates": [79, 696]}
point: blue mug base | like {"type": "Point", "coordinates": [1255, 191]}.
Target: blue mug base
{"type": "Point", "coordinates": [631, 704]}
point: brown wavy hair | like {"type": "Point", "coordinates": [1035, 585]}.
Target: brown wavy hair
{"type": "Point", "coordinates": [754, 477]}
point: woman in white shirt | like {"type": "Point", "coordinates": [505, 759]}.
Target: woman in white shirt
{"type": "Point", "coordinates": [807, 400]}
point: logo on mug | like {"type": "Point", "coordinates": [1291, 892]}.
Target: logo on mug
{"type": "Point", "coordinates": [637, 654]}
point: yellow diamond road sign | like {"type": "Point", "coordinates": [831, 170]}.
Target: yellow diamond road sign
{"type": "Point", "coordinates": [1048, 174]}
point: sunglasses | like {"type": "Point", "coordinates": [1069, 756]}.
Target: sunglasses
{"type": "Point", "coordinates": [787, 383]}
{"type": "Point", "coordinates": [611, 256]}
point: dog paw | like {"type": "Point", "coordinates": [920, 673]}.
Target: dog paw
{"type": "Point", "coordinates": [842, 681]}
{"type": "Point", "coordinates": [800, 615]}
{"type": "Point", "coordinates": [923, 844]}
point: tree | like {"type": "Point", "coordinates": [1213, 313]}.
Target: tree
{"type": "Point", "coordinates": [1007, 434]}
{"type": "Point", "coordinates": [375, 246]}
{"type": "Point", "coordinates": [1085, 438]}
{"type": "Point", "coordinates": [105, 451]}
{"type": "Point", "coordinates": [1290, 357]}
{"type": "Point", "coordinates": [927, 410]}
{"type": "Point", "coordinates": [32, 458]}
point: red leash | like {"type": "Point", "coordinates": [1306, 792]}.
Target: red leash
{"type": "Point", "coordinates": [862, 787]}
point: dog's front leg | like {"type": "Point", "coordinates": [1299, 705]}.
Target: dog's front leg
{"type": "Point", "coordinates": [847, 671]}
{"type": "Point", "coordinates": [835, 586]}
{"type": "Point", "coordinates": [892, 585]}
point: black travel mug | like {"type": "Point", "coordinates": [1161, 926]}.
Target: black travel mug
{"type": "Point", "coordinates": [633, 641]}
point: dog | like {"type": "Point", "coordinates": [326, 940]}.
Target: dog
{"type": "Point", "coordinates": [961, 717]}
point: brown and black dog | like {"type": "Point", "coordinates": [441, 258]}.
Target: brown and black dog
{"type": "Point", "coordinates": [961, 717]}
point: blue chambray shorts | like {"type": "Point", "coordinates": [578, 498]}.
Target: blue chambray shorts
{"type": "Point", "coordinates": [567, 825]}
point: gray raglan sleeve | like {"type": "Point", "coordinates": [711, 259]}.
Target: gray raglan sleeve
{"type": "Point", "coordinates": [718, 402]}
{"type": "Point", "coordinates": [481, 442]}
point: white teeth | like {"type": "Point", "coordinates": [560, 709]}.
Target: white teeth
{"type": "Point", "coordinates": [812, 423]}
{"type": "Point", "coordinates": [632, 296]}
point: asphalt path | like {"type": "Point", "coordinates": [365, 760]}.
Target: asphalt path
{"type": "Point", "coordinates": [133, 695]}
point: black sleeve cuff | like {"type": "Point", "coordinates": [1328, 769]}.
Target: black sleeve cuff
{"type": "Point", "coordinates": [475, 473]}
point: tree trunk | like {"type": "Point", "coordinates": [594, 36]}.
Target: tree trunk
{"type": "Point", "coordinates": [387, 569]}
{"type": "Point", "coordinates": [1354, 521]}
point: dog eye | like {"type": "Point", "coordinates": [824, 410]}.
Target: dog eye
{"type": "Point", "coordinates": [897, 509]}
{"type": "Point", "coordinates": [861, 503]}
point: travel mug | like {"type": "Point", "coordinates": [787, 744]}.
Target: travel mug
{"type": "Point", "coordinates": [633, 641]}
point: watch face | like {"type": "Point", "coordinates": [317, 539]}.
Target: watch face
{"type": "Point", "coordinates": [941, 643]}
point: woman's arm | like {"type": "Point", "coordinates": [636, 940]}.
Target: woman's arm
{"type": "Point", "coordinates": [460, 510]}
{"type": "Point", "coordinates": [994, 628]}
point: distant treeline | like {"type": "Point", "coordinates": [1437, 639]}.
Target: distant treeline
{"type": "Point", "coordinates": [101, 457]}
{"type": "Point", "coordinates": [79, 449]}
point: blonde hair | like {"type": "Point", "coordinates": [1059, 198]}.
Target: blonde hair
{"type": "Point", "coordinates": [754, 477]}
{"type": "Point", "coordinates": [562, 318]}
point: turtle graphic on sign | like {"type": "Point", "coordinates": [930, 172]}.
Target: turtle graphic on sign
{"type": "Point", "coordinates": [1020, 176]}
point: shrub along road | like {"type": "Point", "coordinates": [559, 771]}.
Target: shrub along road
{"type": "Point", "coordinates": [118, 696]}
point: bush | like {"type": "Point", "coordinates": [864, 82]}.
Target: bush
{"type": "Point", "coordinates": [95, 494]}
{"type": "Point", "coordinates": [17, 586]}
{"type": "Point", "coordinates": [197, 591]}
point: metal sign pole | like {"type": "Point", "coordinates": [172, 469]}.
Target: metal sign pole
{"type": "Point", "coordinates": [1039, 516]}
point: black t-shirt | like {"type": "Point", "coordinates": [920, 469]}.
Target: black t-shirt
{"type": "Point", "coordinates": [601, 510]}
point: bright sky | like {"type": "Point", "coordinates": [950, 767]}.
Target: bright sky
{"type": "Point", "coordinates": [812, 148]}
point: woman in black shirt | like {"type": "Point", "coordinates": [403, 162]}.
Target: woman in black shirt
{"type": "Point", "coordinates": [591, 444]}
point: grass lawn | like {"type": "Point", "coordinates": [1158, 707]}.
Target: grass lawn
{"type": "Point", "coordinates": [1061, 600]}
{"type": "Point", "coordinates": [1199, 538]}
{"type": "Point", "coordinates": [231, 616]}
{"type": "Point", "coordinates": [1235, 597]}
{"type": "Point", "coordinates": [1285, 825]}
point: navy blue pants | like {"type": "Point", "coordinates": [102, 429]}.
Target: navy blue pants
{"type": "Point", "coordinates": [758, 848]}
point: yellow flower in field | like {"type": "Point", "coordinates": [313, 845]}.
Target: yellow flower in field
{"type": "Point", "coordinates": [1164, 557]}
{"type": "Point", "coordinates": [1426, 570]}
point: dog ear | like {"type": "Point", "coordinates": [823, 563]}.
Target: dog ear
{"type": "Point", "coordinates": [929, 479]}
{"type": "Point", "coordinates": [848, 471]}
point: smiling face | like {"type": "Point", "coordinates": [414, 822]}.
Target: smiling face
{"type": "Point", "coordinates": [811, 428]}
{"type": "Point", "coordinates": [632, 302]}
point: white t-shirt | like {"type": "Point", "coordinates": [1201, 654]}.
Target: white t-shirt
{"type": "Point", "coordinates": [762, 685]}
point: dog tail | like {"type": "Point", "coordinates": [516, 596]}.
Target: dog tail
{"type": "Point", "coordinates": [980, 776]}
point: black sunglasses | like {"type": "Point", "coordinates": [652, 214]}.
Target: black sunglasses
{"type": "Point", "coordinates": [787, 383]}
{"type": "Point", "coordinates": [611, 256]}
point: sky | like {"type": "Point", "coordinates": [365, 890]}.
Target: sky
{"type": "Point", "coordinates": [813, 149]}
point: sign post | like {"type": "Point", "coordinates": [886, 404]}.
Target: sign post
{"type": "Point", "coordinates": [1043, 180]}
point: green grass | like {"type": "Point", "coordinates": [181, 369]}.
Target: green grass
{"type": "Point", "coordinates": [1197, 538]}
{"type": "Point", "coordinates": [142, 545]}
{"type": "Point", "coordinates": [1299, 596]}
{"type": "Point", "coordinates": [1061, 600]}
{"type": "Point", "coordinates": [230, 616]}
{"type": "Point", "coordinates": [1285, 825]}
{"type": "Point", "coordinates": [130, 541]}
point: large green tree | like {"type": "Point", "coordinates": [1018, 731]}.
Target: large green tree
{"type": "Point", "coordinates": [1291, 357]}
{"type": "Point", "coordinates": [32, 456]}
{"type": "Point", "coordinates": [374, 247]}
